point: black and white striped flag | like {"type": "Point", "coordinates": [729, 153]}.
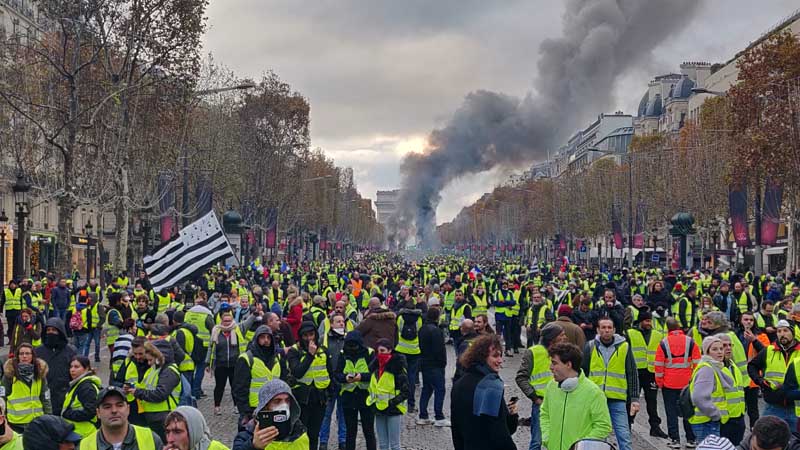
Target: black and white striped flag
{"type": "Point", "coordinates": [188, 254]}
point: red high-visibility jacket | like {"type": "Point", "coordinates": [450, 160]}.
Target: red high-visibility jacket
{"type": "Point", "coordinates": [676, 357]}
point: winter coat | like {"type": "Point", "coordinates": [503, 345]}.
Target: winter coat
{"type": "Point", "coordinates": [298, 360]}
{"type": "Point", "coordinates": [588, 416]}
{"type": "Point", "coordinates": [397, 367]}
{"type": "Point", "coordinates": [579, 317]}
{"type": "Point", "coordinates": [378, 324]}
{"type": "Point", "coordinates": [86, 393]}
{"type": "Point", "coordinates": [575, 334]}
{"type": "Point", "coordinates": [45, 397]}
{"type": "Point", "coordinates": [616, 313]}
{"type": "Point", "coordinates": [471, 432]}
{"type": "Point", "coordinates": [57, 359]}
{"type": "Point", "coordinates": [26, 333]}
{"type": "Point", "coordinates": [432, 346]}
{"type": "Point", "coordinates": [757, 366]}
{"type": "Point", "coordinates": [59, 297]}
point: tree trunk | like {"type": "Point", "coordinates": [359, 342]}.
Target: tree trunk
{"type": "Point", "coordinates": [64, 257]}
{"type": "Point", "coordinates": [122, 219]}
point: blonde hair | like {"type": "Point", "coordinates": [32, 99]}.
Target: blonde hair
{"type": "Point", "coordinates": [152, 350]}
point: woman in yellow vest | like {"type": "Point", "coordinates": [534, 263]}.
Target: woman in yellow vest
{"type": "Point", "coordinates": [388, 393]}
{"type": "Point", "coordinates": [159, 391]}
{"type": "Point", "coordinates": [707, 388]}
{"type": "Point", "coordinates": [311, 367]}
{"type": "Point", "coordinates": [25, 384]}
{"type": "Point", "coordinates": [28, 330]}
{"type": "Point", "coordinates": [734, 428]}
{"type": "Point", "coordinates": [80, 404]}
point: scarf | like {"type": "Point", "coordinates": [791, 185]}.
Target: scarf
{"type": "Point", "coordinates": [221, 328]}
{"type": "Point", "coordinates": [488, 393]}
{"type": "Point", "coordinates": [383, 359]}
{"type": "Point", "coordinates": [25, 372]}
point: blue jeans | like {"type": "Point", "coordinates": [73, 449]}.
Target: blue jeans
{"type": "Point", "coordinates": [83, 341]}
{"type": "Point", "coordinates": [96, 339]}
{"type": "Point", "coordinates": [388, 430]}
{"type": "Point", "coordinates": [619, 421]}
{"type": "Point", "coordinates": [432, 384]}
{"type": "Point", "coordinates": [413, 376]}
{"type": "Point", "coordinates": [325, 429]}
{"type": "Point", "coordinates": [197, 383]}
{"type": "Point", "coordinates": [61, 314]}
{"type": "Point", "coordinates": [786, 414]}
{"type": "Point", "coordinates": [536, 429]}
{"type": "Point", "coordinates": [703, 430]}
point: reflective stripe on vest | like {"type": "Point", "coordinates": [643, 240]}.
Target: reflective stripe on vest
{"type": "Point", "coordinates": [72, 401]}
{"type": "Point", "coordinates": [717, 397]}
{"type": "Point", "coordinates": [24, 403]}
{"type": "Point", "coordinates": [360, 366]}
{"type": "Point", "coordinates": [150, 382]}
{"type": "Point", "coordinates": [13, 299]}
{"type": "Point", "coordinates": [188, 338]}
{"type": "Point", "coordinates": [610, 379]}
{"type": "Point", "coordinates": [540, 369]}
{"type": "Point", "coordinates": [735, 395]}
{"type": "Point", "coordinates": [405, 346]}
{"type": "Point", "coordinates": [456, 317]}
{"type": "Point", "coordinates": [317, 373]}
{"type": "Point", "coordinates": [775, 370]}
{"type": "Point", "coordinates": [638, 347]}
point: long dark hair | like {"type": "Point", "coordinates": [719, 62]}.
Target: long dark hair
{"type": "Point", "coordinates": [84, 362]}
{"type": "Point", "coordinates": [35, 361]}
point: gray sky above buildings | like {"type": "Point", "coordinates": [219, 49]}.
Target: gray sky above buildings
{"type": "Point", "coordinates": [381, 74]}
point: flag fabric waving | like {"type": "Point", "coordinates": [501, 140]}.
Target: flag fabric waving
{"type": "Point", "coordinates": [192, 251]}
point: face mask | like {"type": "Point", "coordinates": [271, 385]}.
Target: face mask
{"type": "Point", "coordinates": [383, 358]}
{"type": "Point", "coordinates": [339, 331]}
{"type": "Point", "coordinates": [282, 422]}
{"type": "Point", "coordinates": [50, 340]}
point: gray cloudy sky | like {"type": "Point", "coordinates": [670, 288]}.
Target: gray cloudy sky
{"type": "Point", "coordinates": [380, 74]}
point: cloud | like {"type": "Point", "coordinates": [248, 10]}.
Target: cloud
{"type": "Point", "coordinates": [380, 72]}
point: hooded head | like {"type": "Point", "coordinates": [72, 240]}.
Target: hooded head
{"type": "Point", "coordinates": [549, 333]}
{"type": "Point", "coordinates": [272, 389]}
{"type": "Point", "coordinates": [166, 350]}
{"type": "Point", "coordinates": [47, 432]}
{"type": "Point", "coordinates": [58, 339]}
{"type": "Point", "coordinates": [354, 343]}
{"type": "Point", "coordinates": [264, 352]}
{"type": "Point", "coordinates": [196, 426]}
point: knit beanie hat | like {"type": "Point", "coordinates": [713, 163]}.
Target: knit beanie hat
{"type": "Point", "coordinates": [549, 332]}
{"type": "Point", "coordinates": [713, 442]}
{"type": "Point", "coordinates": [707, 341]}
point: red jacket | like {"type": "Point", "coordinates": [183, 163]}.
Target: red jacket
{"type": "Point", "coordinates": [295, 318]}
{"type": "Point", "coordinates": [673, 366]}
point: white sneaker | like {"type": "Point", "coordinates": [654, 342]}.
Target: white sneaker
{"type": "Point", "coordinates": [424, 421]}
{"type": "Point", "coordinates": [441, 423]}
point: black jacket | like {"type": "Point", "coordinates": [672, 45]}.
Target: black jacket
{"type": "Point", "coordinates": [756, 368]}
{"type": "Point", "coordinates": [57, 359]}
{"type": "Point", "coordinates": [299, 361]}
{"type": "Point", "coordinates": [432, 346]}
{"type": "Point", "coordinates": [471, 432]}
{"type": "Point", "coordinates": [86, 394]}
{"type": "Point", "coordinates": [168, 380]}
{"type": "Point", "coordinates": [240, 385]}
{"type": "Point", "coordinates": [397, 367]}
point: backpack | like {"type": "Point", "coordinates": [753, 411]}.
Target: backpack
{"type": "Point", "coordinates": [185, 398]}
{"type": "Point", "coordinates": [76, 321]}
{"type": "Point", "coordinates": [409, 331]}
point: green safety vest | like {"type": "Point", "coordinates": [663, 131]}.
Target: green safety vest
{"type": "Point", "coordinates": [360, 366]}
{"type": "Point", "coordinates": [610, 379]}
{"type": "Point", "coordinates": [775, 371]}
{"type": "Point", "coordinates": [23, 404]}
{"type": "Point", "coordinates": [149, 383]}
{"type": "Point", "coordinates": [199, 320]}
{"type": "Point", "coordinates": [405, 346]}
{"type": "Point", "coordinates": [382, 389]}
{"type": "Point", "coordinates": [260, 374]}
{"type": "Point", "coordinates": [317, 374]}
{"type": "Point", "coordinates": [735, 395]}
{"type": "Point", "coordinates": [456, 317]}
{"type": "Point", "coordinates": [144, 439]}
{"type": "Point", "coordinates": [540, 369]}
{"type": "Point", "coordinates": [481, 304]}
{"type": "Point", "coordinates": [717, 397]}
{"type": "Point", "coordinates": [71, 400]}
{"type": "Point", "coordinates": [13, 299]}
{"type": "Point", "coordinates": [188, 338]}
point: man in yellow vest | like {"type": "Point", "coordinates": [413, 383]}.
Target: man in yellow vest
{"type": "Point", "coordinates": [115, 430]}
{"type": "Point", "coordinates": [12, 302]}
{"type": "Point", "coordinates": [275, 396]}
{"type": "Point", "coordinates": [610, 364]}
{"type": "Point", "coordinates": [644, 341]}
{"type": "Point", "coordinates": [534, 375]}
{"type": "Point", "coordinates": [255, 367]}
{"type": "Point", "coordinates": [768, 370]}
{"type": "Point", "coordinates": [201, 317]}
{"type": "Point", "coordinates": [310, 365]}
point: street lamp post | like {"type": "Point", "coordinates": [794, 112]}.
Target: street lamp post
{"type": "Point", "coordinates": [21, 187]}
{"type": "Point", "coordinates": [88, 228]}
{"type": "Point", "coordinates": [3, 222]}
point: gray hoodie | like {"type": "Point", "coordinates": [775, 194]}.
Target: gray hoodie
{"type": "Point", "coordinates": [244, 440]}
{"type": "Point", "coordinates": [631, 373]}
{"type": "Point", "coordinates": [199, 433]}
{"type": "Point", "coordinates": [703, 385]}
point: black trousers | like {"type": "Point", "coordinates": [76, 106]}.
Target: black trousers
{"type": "Point", "coordinates": [367, 427]}
{"type": "Point", "coordinates": [671, 397]}
{"type": "Point", "coordinates": [647, 382]}
{"type": "Point", "coordinates": [733, 430]}
{"type": "Point", "coordinates": [11, 318]}
{"type": "Point", "coordinates": [222, 375]}
{"type": "Point", "coordinates": [311, 415]}
{"type": "Point", "coordinates": [751, 404]}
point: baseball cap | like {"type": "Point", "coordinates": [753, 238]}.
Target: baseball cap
{"type": "Point", "coordinates": [110, 390]}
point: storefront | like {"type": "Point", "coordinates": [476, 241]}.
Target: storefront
{"type": "Point", "coordinates": [42, 251]}
{"type": "Point", "coordinates": [84, 256]}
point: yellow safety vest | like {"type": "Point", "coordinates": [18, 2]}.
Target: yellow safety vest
{"type": "Point", "coordinates": [317, 373]}
{"type": "Point", "coordinates": [638, 347]}
{"type": "Point", "coordinates": [260, 374]}
{"type": "Point", "coordinates": [360, 366]}
{"type": "Point", "coordinates": [406, 346]}
{"type": "Point", "coordinates": [131, 376]}
{"type": "Point", "coordinates": [540, 369]}
{"type": "Point", "coordinates": [71, 400]}
{"type": "Point", "coordinates": [610, 379]}
{"type": "Point", "coordinates": [162, 303]}
{"type": "Point", "coordinates": [300, 443]}
{"type": "Point", "coordinates": [188, 338]}
{"type": "Point", "coordinates": [456, 317]}
{"type": "Point", "coordinates": [13, 299]}
{"type": "Point", "coordinates": [149, 383]}
{"type": "Point", "coordinates": [775, 370]}
{"type": "Point", "coordinates": [144, 439]}
{"type": "Point", "coordinates": [717, 396]}
{"type": "Point", "coordinates": [23, 404]}
{"type": "Point", "coordinates": [199, 320]}
{"type": "Point", "coordinates": [112, 331]}
{"type": "Point", "coordinates": [481, 304]}
{"type": "Point", "coordinates": [381, 390]}
{"type": "Point", "coordinates": [742, 302]}
{"type": "Point", "coordinates": [735, 395]}
{"type": "Point", "coordinates": [796, 402]}
{"type": "Point", "coordinates": [502, 309]}
{"type": "Point", "coordinates": [676, 311]}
